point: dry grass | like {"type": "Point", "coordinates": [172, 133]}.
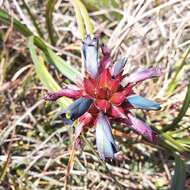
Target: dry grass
{"type": "Point", "coordinates": [35, 146]}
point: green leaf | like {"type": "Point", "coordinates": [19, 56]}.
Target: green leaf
{"type": "Point", "coordinates": [85, 16]}
{"type": "Point", "coordinates": [179, 66]}
{"type": "Point", "coordinates": [80, 22]}
{"type": "Point", "coordinates": [43, 74]}
{"type": "Point", "coordinates": [178, 180]}
{"type": "Point", "coordinates": [168, 141]}
{"type": "Point", "coordinates": [49, 16]}
{"type": "Point", "coordinates": [65, 68]}
{"type": "Point", "coordinates": [112, 7]}
{"type": "Point", "coordinates": [96, 5]}
{"type": "Point", "coordinates": [184, 108]}
{"type": "Point", "coordinates": [6, 19]}
{"type": "Point", "coordinates": [184, 141]}
{"type": "Point", "coordinates": [182, 111]}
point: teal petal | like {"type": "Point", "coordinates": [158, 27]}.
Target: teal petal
{"type": "Point", "coordinates": [76, 109]}
{"type": "Point", "coordinates": [143, 103]}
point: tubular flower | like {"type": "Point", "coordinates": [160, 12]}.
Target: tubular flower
{"type": "Point", "coordinates": [106, 96]}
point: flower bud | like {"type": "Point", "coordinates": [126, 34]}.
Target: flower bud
{"type": "Point", "coordinates": [90, 56]}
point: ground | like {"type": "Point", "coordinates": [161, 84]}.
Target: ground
{"type": "Point", "coordinates": [35, 145]}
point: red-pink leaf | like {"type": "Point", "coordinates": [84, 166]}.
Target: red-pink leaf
{"type": "Point", "coordinates": [101, 93]}
{"type": "Point", "coordinates": [89, 86]}
{"type": "Point", "coordinates": [104, 79]}
{"type": "Point", "coordinates": [141, 75]}
{"type": "Point", "coordinates": [105, 61]}
{"type": "Point", "coordinates": [117, 112]}
{"type": "Point", "coordinates": [115, 83]}
{"type": "Point", "coordinates": [127, 90]}
{"type": "Point", "coordinates": [102, 105]}
{"type": "Point", "coordinates": [85, 119]}
{"type": "Point", "coordinates": [140, 127]}
{"type": "Point", "coordinates": [117, 98]}
{"type": "Point", "coordinates": [53, 96]}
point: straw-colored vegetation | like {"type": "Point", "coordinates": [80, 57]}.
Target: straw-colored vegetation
{"type": "Point", "coordinates": [40, 50]}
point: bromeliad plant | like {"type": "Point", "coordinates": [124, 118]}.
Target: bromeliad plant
{"type": "Point", "coordinates": [105, 96]}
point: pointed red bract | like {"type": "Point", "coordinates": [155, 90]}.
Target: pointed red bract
{"type": "Point", "coordinates": [105, 61]}
{"type": "Point", "coordinates": [104, 78]}
{"type": "Point", "coordinates": [102, 105]}
{"type": "Point", "coordinates": [117, 112]}
{"type": "Point", "coordinates": [114, 83]}
{"type": "Point", "coordinates": [89, 86]}
{"type": "Point", "coordinates": [128, 90]}
{"type": "Point", "coordinates": [93, 110]}
{"type": "Point", "coordinates": [101, 93]}
{"type": "Point", "coordinates": [117, 98]}
{"type": "Point", "coordinates": [85, 119]}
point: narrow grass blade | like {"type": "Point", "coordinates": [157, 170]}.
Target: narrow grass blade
{"type": "Point", "coordinates": [166, 139]}
{"type": "Point", "coordinates": [179, 65]}
{"type": "Point", "coordinates": [172, 144]}
{"type": "Point", "coordinates": [5, 166]}
{"type": "Point", "coordinates": [178, 180]}
{"type": "Point", "coordinates": [184, 141]}
{"type": "Point", "coordinates": [182, 112]}
{"type": "Point", "coordinates": [85, 16]}
{"type": "Point", "coordinates": [65, 68]}
{"type": "Point", "coordinates": [33, 19]}
{"type": "Point", "coordinates": [79, 18]}
{"type": "Point", "coordinates": [5, 133]}
{"type": "Point", "coordinates": [6, 19]}
{"type": "Point", "coordinates": [49, 16]}
{"type": "Point", "coordinates": [43, 73]}
{"type": "Point", "coordinates": [184, 108]}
